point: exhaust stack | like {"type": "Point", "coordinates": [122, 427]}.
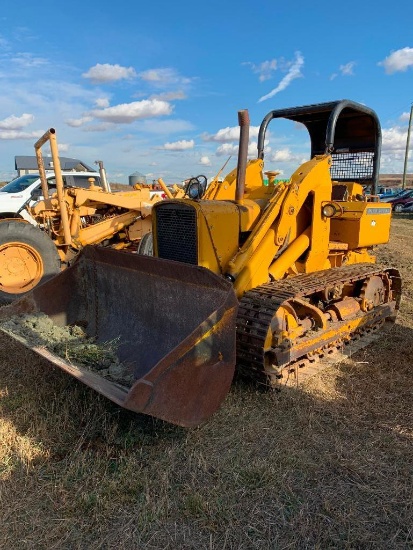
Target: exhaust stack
{"type": "Point", "coordinates": [244, 123]}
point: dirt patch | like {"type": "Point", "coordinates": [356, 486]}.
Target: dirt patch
{"type": "Point", "coordinates": [70, 343]}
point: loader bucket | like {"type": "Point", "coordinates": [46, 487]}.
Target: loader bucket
{"type": "Point", "coordinates": [175, 325]}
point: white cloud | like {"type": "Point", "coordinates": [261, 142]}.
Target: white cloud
{"type": "Point", "coordinates": [392, 163]}
{"type": "Point", "coordinates": [166, 126]}
{"type": "Point", "coordinates": [229, 134]}
{"type": "Point", "coordinates": [16, 122]}
{"type": "Point", "coordinates": [400, 60]}
{"type": "Point", "coordinates": [4, 44]}
{"type": "Point", "coordinates": [102, 102]}
{"type": "Point", "coordinates": [282, 155]}
{"type": "Point", "coordinates": [394, 139]}
{"type": "Point", "coordinates": [102, 127]}
{"type": "Point", "coordinates": [182, 145]}
{"type": "Point", "coordinates": [76, 122]}
{"type": "Point", "coordinates": [252, 149]}
{"type": "Point", "coordinates": [264, 69]}
{"type": "Point", "coordinates": [170, 96]}
{"type": "Point", "coordinates": [28, 61]}
{"type": "Point", "coordinates": [405, 116]}
{"type": "Point", "coordinates": [231, 149]}
{"type": "Point", "coordinates": [227, 149]}
{"type": "Point", "coordinates": [126, 113]}
{"type": "Point", "coordinates": [347, 69]}
{"type": "Point", "coordinates": [105, 72]}
{"type": "Point", "coordinates": [164, 77]}
{"type": "Point", "coordinates": [204, 160]}
{"type": "Point", "coordinates": [293, 73]}
{"type": "Point", "coordinates": [15, 134]}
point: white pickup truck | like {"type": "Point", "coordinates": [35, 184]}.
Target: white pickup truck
{"type": "Point", "coordinates": [15, 194]}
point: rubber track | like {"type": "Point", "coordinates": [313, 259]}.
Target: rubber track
{"type": "Point", "coordinates": [258, 306]}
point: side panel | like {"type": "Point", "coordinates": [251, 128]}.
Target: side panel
{"type": "Point", "coordinates": [362, 224]}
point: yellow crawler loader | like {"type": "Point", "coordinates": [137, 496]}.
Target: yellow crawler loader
{"type": "Point", "coordinates": [269, 279]}
{"type": "Point", "coordinates": [65, 220]}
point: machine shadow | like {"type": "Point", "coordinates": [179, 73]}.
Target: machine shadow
{"type": "Point", "coordinates": [46, 402]}
{"type": "Point", "coordinates": [297, 443]}
{"type": "Point", "coordinates": [55, 403]}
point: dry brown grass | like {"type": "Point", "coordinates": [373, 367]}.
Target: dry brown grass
{"type": "Point", "coordinates": [328, 466]}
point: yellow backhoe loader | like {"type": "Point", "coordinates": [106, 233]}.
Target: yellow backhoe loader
{"type": "Point", "coordinates": [65, 221]}
{"type": "Point", "coordinates": [268, 278]}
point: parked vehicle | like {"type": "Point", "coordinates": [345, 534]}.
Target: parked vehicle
{"type": "Point", "coordinates": [408, 208]}
{"type": "Point", "coordinates": [15, 194]}
{"type": "Point", "coordinates": [399, 202]}
{"type": "Point", "coordinates": [399, 194]}
{"type": "Point", "coordinates": [387, 192]}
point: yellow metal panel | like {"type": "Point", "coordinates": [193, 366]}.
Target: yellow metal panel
{"type": "Point", "coordinates": [249, 212]}
{"type": "Point", "coordinates": [255, 272]}
{"type": "Point", "coordinates": [225, 190]}
{"type": "Point", "coordinates": [362, 224]}
{"type": "Point", "coordinates": [139, 228]}
{"type": "Point", "coordinates": [359, 256]}
{"type": "Point", "coordinates": [218, 233]}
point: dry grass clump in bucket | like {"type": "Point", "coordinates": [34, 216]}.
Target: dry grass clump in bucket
{"type": "Point", "coordinates": [70, 343]}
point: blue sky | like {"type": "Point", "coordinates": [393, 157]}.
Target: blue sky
{"type": "Point", "coordinates": [155, 86]}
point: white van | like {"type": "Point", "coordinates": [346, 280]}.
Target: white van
{"type": "Point", "coordinates": [15, 194]}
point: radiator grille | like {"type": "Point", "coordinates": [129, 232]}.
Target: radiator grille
{"type": "Point", "coordinates": [177, 235]}
{"type": "Point", "coordinates": [356, 166]}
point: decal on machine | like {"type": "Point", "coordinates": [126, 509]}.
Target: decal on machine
{"type": "Point", "coordinates": [371, 211]}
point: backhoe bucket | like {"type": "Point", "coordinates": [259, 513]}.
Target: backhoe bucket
{"type": "Point", "coordinates": [174, 324]}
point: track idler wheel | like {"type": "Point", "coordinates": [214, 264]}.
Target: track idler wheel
{"type": "Point", "coordinates": [373, 292]}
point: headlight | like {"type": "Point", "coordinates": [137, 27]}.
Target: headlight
{"type": "Point", "coordinates": [329, 210]}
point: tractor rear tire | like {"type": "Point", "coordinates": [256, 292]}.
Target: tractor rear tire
{"type": "Point", "coordinates": [28, 257]}
{"type": "Point", "coordinates": [145, 246]}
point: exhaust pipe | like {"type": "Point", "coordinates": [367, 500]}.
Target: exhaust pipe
{"type": "Point", "coordinates": [244, 123]}
{"type": "Point", "coordinates": [102, 173]}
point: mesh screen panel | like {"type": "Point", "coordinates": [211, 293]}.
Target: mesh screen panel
{"type": "Point", "coordinates": [355, 166]}
{"type": "Point", "coordinates": [177, 235]}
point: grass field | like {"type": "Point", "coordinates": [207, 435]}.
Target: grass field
{"type": "Point", "coordinates": [327, 466]}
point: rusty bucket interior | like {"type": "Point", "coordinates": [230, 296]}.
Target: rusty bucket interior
{"type": "Point", "coordinates": [174, 325]}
